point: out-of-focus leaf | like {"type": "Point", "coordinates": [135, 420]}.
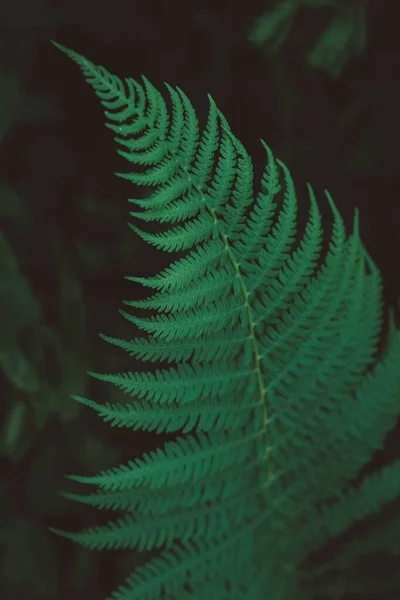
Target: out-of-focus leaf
{"type": "Point", "coordinates": [17, 369]}
{"type": "Point", "coordinates": [344, 37]}
{"type": "Point", "coordinates": [18, 429]}
{"type": "Point", "coordinates": [18, 309]}
{"type": "Point", "coordinates": [12, 428]}
{"type": "Point", "coordinates": [272, 28]}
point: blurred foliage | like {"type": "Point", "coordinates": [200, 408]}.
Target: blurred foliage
{"type": "Point", "coordinates": [343, 37]}
{"type": "Point", "coordinates": [18, 309]}
{"type": "Point", "coordinates": [322, 93]}
{"type": "Point", "coordinates": [21, 320]}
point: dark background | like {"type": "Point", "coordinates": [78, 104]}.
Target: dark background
{"type": "Point", "coordinates": [328, 106]}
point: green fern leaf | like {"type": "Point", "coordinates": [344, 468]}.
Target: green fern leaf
{"type": "Point", "coordinates": [271, 377]}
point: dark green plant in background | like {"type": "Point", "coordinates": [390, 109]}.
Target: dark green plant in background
{"type": "Point", "coordinates": [253, 318]}
{"type": "Point", "coordinates": [343, 38]}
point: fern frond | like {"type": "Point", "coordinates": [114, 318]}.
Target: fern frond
{"type": "Point", "coordinates": [187, 459]}
{"type": "Point", "coordinates": [273, 383]}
